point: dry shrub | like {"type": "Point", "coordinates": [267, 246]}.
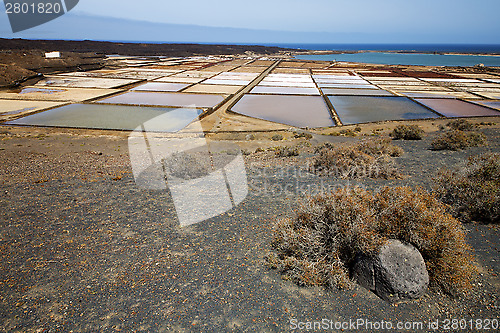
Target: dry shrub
{"type": "Point", "coordinates": [461, 125]}
{"type": "Point", "coordinates": [369, 158]}
{"type": "Point", "coordinates": [187, 165]}
{"type": "Point", "coordinates": [318, 245]}
{"type": "Point", "coordinates": [277, 137]}
{"type": "Point", "coordinates": [284, 151]}
{"type": "Point", "coordinates": [407, 132]}
{"type": "Point", "coordinates": [379, 146]}
{"type": "Point", "coordinates": [455, 140]}
{"type": "Point", "coordinates": [346, 132]}
{"type": "Point", "coordinates": [298, 135]}
{"type": "Point", "coordinates": [472, 191]}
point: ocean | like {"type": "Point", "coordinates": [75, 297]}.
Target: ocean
{"type": "Point", "coordinates": [419, 59]}
{"type": "Point", "coordinates": [434, 58]}
{"type": "Point", "coordinates": [461, 48]}
{"type": "Point", "coordinates": [425, 58]}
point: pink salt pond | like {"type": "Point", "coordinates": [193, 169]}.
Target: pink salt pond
{"type": "Point", "coordinates": [457, 108]}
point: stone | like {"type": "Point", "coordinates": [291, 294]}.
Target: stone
{"type": "Point", "coordinates": [395, 274]}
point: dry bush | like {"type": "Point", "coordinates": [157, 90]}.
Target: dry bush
{"type": "Point", "coordinates": [284, 151]}
{"type": "Point", "coordinates": [318, 245]}
{"type": "Point", "coordinates": [379, 146]}
{"type": "Point", "coordinates": [461, 125]}
{"type": "Point", "coordinates": [456, 140]}
{"type": "Point", "coordinates": [298, 135]}
{"type": "Point", "coordinates": [368, 158]}
{"type": "Point", "coordinates": [407, 132]}
{"type": "Point", "coordinates": [187, 165]}
{"type": "Point", "coordinates": [473, 191]}
{"type": "Point", "coordinates": [346, 132]}
{"type": "Point", "coordinates": [277, 137]}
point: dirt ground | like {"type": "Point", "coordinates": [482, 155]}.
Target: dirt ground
{"type": "Point", "coordinates": [84, 249]}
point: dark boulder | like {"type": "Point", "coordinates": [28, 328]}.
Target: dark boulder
{"type": "Point", "coordinates": [396, 273]}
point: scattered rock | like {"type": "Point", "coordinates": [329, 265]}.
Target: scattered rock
{"type": "Point", "coordinates": [397, 273]}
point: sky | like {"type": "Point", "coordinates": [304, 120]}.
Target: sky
{"type": "Point", "coordinates": [311, 15]}
{"type": "Point", "coordinates": [375, 21]}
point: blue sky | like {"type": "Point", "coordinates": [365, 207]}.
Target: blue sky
{"type": "Point", "coordinates": [312, 15]}
{"type": "Point", "coordinates": [368, 21]}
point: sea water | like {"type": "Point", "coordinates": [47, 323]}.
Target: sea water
{"type": "Point", "coordinates": [420, 59]}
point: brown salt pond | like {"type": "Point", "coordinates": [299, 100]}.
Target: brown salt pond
{"type": "Point", "coordinates": [300, 111]}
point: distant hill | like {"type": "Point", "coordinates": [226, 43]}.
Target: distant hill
{"type": "Point", "coordinates": [134, 49]}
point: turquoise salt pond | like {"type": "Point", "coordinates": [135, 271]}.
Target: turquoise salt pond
{"type": "Point", "coordinates": [111, 117]}
{"type": "Point", "coordinates": [363, 109]}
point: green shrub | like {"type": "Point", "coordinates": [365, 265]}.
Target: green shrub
{"type": "Point", "coordinates": [319, 243]}
{"type": "Point", "coordinates": [472, 191]}
{"type": "Point", "coordinates": [369, 158]}
{"type": "Point", "coordinates": [456, 140]}
{"type": "Point", "coordinates": [407, 132]}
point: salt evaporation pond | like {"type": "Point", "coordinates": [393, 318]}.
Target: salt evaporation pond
{"type": "Point", "coordinates": [115, 117]}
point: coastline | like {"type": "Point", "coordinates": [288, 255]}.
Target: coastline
{"type": "Point", "coordinates": [327, 52]}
